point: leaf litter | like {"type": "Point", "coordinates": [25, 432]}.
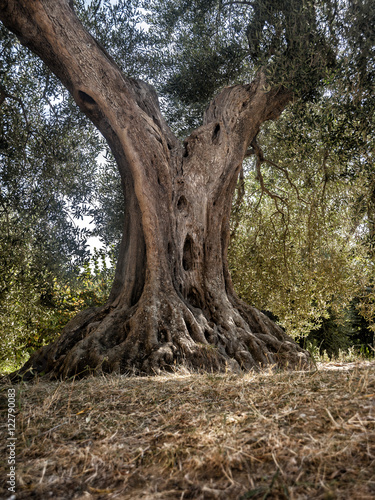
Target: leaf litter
{"type": "Point", "coordinates": [268, 435]}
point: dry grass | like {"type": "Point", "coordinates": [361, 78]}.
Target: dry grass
{"type": "Point", "coordinates": [291, 435]}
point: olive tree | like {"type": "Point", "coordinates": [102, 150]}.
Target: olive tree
{"type": "Point", "coordinates": [172, 299]}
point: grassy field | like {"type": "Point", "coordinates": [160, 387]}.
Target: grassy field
{"type": "Point", "coordinates": [283, 435]}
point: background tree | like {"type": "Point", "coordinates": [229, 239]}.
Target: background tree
{"type": "Point", "coordinates": [303, 234]}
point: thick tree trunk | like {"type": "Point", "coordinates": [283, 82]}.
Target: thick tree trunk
{"type": "Point", "coordinates": [172, 300]}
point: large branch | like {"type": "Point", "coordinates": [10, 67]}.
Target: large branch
{"type": "Point", "coordinates": [125, 110]}
{"type": "Point", "coordinates": [52, 30]}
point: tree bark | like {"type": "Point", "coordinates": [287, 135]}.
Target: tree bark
{"type": "Point", "coordinates": [172, 300]}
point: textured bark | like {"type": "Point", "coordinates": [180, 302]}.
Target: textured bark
{"type": "Point", "coordinates": [172, 300]}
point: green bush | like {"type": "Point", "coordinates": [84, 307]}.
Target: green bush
{"type": "Point", "coordinates": [34, 315]}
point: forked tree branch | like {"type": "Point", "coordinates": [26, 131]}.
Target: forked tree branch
{"type": "Point", "coordinates": [258, 163]}
{"type": "Point", "coordinates": [256, 150]}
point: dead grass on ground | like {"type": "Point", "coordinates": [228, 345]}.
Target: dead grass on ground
{"type": "Point", "coordinates": [283, 435]}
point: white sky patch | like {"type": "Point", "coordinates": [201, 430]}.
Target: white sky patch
{"type": "Point", "coordinates": [94, 241]}
{"type": "Point", "coordinates": [87, 222]}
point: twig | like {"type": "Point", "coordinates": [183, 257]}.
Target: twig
{"type": "Point", "coordinates": [286, 173]}
{"type": "Point", "coordinates": [50, 430]}
{"type": "Point", "coordinates": [256, 150]}
{"type": "Point", "coordinates": [259, 161]}
{"type": "Point", "coordinates": [238, 2]}
{"type": "Point", "coordinates": [324, 165]}
{"type": "Point", "coordinates": [4, 94]}
{"type": "Point", "coordinates": [240, 197]}
{"type": "Point", "coordinates": [336, 425]}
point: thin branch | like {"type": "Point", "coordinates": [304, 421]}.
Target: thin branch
{"type": "Point", "coordinates": [257, 150]}
{"type": "Point", "coordinates": [46, 86]}
{"type": "Point", "coordinates": [238, 2]}
{"type": "Point", "coordinates": [324, 166]}
{"type": "Point", "coordinates": [2, 203]}
{"type": "Point", "coordinates": [253, 151]}
{"type": "Point", "coordinates": [285, 234]}
{"type": "Point", "coordinates": [4, 94]}
{"type": "Point", "coordinates": [259, 161]}
{"type": "Point", "coordinates": [332, 17]}
{"type": "Point", "coordinates": [51, 107]}
{"type": "Point", "coordinates": [96, 9]}
{"type": "Point", "coordinates": [259, 201]}
{"type": "Point", "coordinates": [240, 196]}
{"type": "Point", "coordinates": [286, 173]}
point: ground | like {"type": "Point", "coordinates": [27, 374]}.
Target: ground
{"type": "Point", "coordinates": [283, 435]}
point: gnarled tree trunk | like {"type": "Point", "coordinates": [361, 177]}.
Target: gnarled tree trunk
{"type": "Point", "coordinates": [172, 300]}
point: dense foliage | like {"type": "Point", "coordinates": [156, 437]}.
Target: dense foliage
{"type": "Point", "coordinates": [305, 234]}
{"type": "Point", "coordinates": [37, 307]}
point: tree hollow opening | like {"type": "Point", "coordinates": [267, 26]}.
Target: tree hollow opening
{"type": "Point", "coordinates": [216, 134]}
{"type": "Point", "coordinates": [86, 98]}
{"type": "Point", "coordinates": [187, 254]}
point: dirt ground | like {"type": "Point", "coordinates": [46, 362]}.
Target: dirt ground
{"type": "Point", "coordinates": [271, 435]}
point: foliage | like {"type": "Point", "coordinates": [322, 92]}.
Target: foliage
{"type": "Point", "coordinates": [300, 244]}
{"type": "Point", "coordinates": [107, 210]}
{"type": "Point", "coordinates": [204, 45]}
{"type": "Point", "coordinates": [36, 305]}
{"type": "Point", "coordinates": [348, 337]}
{"type": "Point", "coordinates": [119, 28]}
{"type": "Point", "coordinates": [47, 158]}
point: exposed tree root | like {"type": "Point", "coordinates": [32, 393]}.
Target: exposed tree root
{"type": "Point", "coordinates": [147, 339]}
